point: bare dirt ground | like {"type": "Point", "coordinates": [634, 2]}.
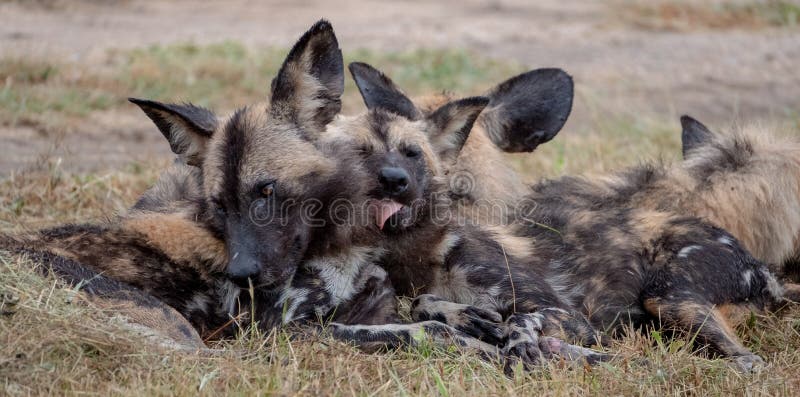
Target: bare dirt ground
{"type": "Point", "coordinates": [716, 75]}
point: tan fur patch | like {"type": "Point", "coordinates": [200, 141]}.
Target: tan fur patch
{"type": "Point", "coordinates": [181, 239]}
{"type": "Point", "coordinates": [735, 314]}
{"type": "Point", "coordinates": [514, 246]}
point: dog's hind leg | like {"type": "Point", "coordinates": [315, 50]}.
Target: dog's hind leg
{"type": "Point", "coordinates": [708, 324]}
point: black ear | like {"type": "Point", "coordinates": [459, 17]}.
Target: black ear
{"type": "Point", "coordinates": [694, 134]}
{"type": "Point", "coordinates": [187, 127]}
{"type": "Point", "coordinates": [379, 91]}
{"type": "Point", "coordinates": [451, 125]}
{"type": "Point", "coordinates": [309, 86]}
{"type": "Point", "coordinates": [528, 110]}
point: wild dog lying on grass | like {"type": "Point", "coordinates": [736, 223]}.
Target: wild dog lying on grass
{"type": "Point", "coordinates": [425, 254]}
{"type": "Point", "coordinates": [592, 245]}
{"type": "Point", "coordinates": [747, 182]}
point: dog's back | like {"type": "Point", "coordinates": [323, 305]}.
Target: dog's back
{"type": "Point", "coordinates": [747, 182]}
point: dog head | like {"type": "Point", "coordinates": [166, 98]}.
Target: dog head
{"type": "Point", "coordinates": [265, 180]}
{"type": "Point", "coordinates": [402, 149]}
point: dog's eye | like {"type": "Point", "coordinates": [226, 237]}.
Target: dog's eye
{"type": "Point", "coordinates": [268, 189]}
{"type": "Point", "coordinates": [412, 151]}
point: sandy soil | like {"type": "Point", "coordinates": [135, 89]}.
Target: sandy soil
{"type": "Point", "coordinates": [715, 75]}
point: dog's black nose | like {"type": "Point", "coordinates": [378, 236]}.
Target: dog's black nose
{"type": "Point", "coordinates": [394, 180]}
{"type": "Point", "coordinates": [242, 267]}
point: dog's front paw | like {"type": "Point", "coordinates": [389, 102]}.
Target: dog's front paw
{"type": "Point", "coordinates": [474, 321]}
{"type": "Point", "coordinates": [521, 340]}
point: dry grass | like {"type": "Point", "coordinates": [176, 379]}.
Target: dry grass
{"type": "Point", "coordinates": [686, 15]}
{"type": "Point", "coordinates": [51, 344]}
{"type": "Point", "coordinates": [56, 94]}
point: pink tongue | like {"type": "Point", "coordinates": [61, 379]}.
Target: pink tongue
{"type": "Point", "coordinates": [385, 209]}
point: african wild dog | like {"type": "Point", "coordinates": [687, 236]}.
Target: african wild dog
{"type": "Point", "coordinates": [594, 245]}
{"type": "Point", "coordinates": [613, 252]}
{"type": "Point", "coordinates": [747, 182]}
{"type": "Point", "coordinates": [460, 265]}
{"type": "Point", "coordinates": [251, 169]}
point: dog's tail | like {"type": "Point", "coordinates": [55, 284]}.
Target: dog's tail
{"type": "Point", "coordinates": [68, 271]}
{"type": "Point", "coordinates": [10, 243]}
{"type": "Point", "coordinates": [142, 312]}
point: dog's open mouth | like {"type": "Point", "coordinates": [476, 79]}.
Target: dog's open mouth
{"type": "Point", "coordinates": [388, 212]}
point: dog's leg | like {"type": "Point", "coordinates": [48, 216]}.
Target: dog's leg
{"type": "Point", "coordinates": [707, 323]}
{"type": "Point", "coordinates": [569, 326]}
{"type": "Point", "coordinates": [140, 311]}
{"type": "Point", "coordinates": [484, 324]}
{"type": "Point", "coordinates": [521, 335]}
{"type": "Point", "coordinates": [525, 338]}
{"type": "Point", "coordinates": [394, 336]}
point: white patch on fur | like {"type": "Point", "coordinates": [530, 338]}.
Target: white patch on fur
{"type": "Point", "coordinates": [340, 275]}
{"type": "Point", "coordinates": [230, 295]}
{"type": "Point", "coordinates": [560, 279]}
{"type": "Point", "coordinates": [557, 309]}
{"type": "Point", "coordinates": [773, 286]}
{"type": "Point", "coordinates": [295, 297]}
{"type": "Point", "coordinates": [199, 303]}
{"type": "Point", "coordinates": [725, 240]}
{"type": "Point", "coordinates": [685, 251]}
{"type": "Point", "coordinates": [747, 275]}
{"type": "Point", "coordinates": [445, 245]}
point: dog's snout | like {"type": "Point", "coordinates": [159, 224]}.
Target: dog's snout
{"type": "Point", "coordinates": [394, 180]}
{"type": "Point", "coordinates": [241, 268]}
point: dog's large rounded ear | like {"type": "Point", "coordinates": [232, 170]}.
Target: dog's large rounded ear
{"type": "Point", "coordinates": [308, 88]}
{"type": "Point", "coordinates": [529, 109]}
{"type": "Point", "coordinates": [187, 127]}
{"type": "Point", "coordinates": [694, 134]}
{"type": "Point", "coordinates": [379, 91]}
{"type": "Point", "coordinates": [451, 125]}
